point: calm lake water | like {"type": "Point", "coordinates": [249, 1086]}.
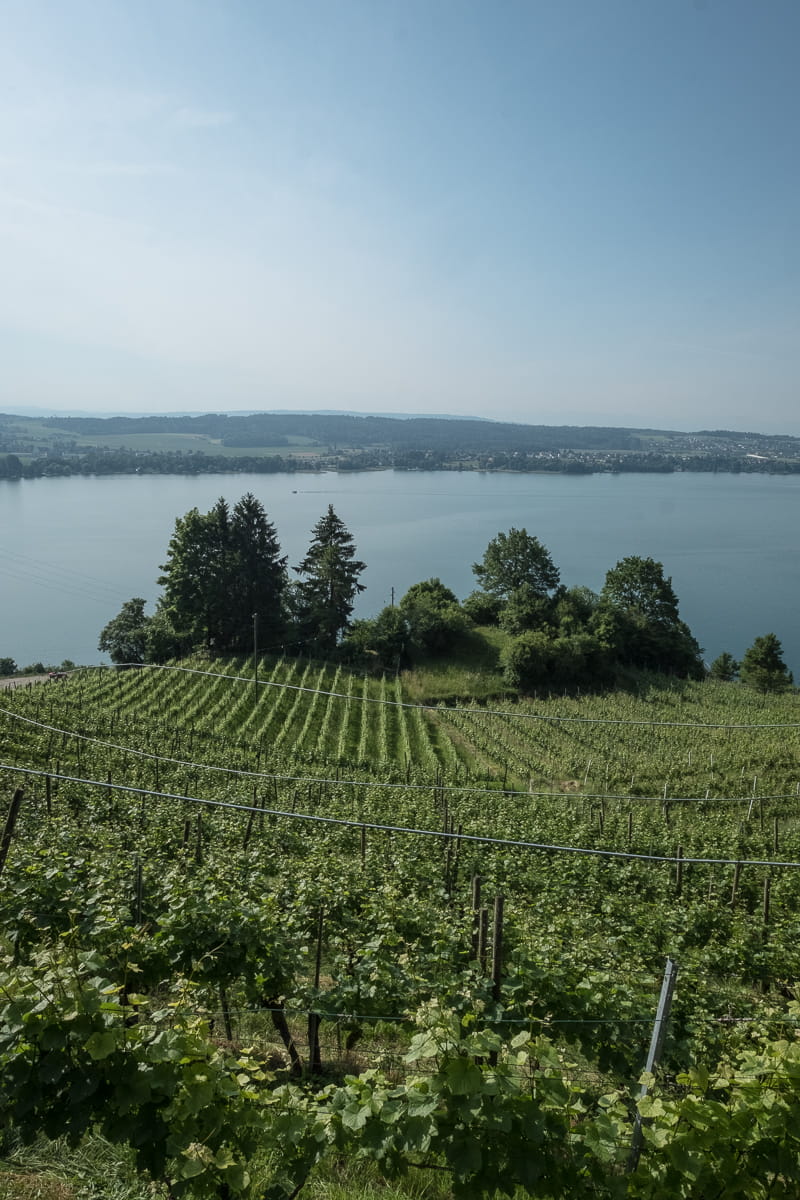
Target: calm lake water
{"type": "Point", "coordinates": [72, 550]}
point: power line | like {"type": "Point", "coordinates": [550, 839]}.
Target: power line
{"type": "Point", "coordinates": [545, 1021]}
{"type": "Point", "coordinates": [371, 783]}
{"type": "Point", "coordinates": [62, 579]}
{"type": "Point", "coordinates": [483, 839]}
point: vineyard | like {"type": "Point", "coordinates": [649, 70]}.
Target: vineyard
{"type": "Point", "coordinates": [254, 923]}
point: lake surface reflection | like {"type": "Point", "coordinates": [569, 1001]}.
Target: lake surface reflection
{"type": "Point", "coordinates": [72, 550]}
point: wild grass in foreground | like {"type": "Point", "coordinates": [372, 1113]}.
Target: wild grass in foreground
{"type": "Point", "coordinates": [97, 1170]}
{"type": "Point", "coordinates": [94, 1170]}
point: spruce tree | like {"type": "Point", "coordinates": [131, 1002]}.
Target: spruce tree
{"type": "Point", "coordinates": [328, 583]}
{"type": "Point", "coordinates": [724, 668]}
{"type": "Point", "coordinates": [195, 577]}
{"type": "Point", "coordinates": [258, 577]}
{"type": "Point", "coordinates": [763, 667]}
{"type": "Point", "coordinates": [223, 568]}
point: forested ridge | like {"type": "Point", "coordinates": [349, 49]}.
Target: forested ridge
{"type": "Point", "coordinates": [269, 442]}
{"type": "Point", "coordinates": [260, 429]}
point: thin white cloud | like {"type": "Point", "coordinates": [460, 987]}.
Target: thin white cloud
{"type": "Point", "coordinates": [202, 118]}
{"type": "Point", "coordinates": [130, 169]}
{"type": "Point", "coordinates": [56, 166]}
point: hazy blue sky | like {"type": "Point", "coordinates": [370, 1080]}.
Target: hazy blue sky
{"type": "Point", "coordinates": [572, 211]}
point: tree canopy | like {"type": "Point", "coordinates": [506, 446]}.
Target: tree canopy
{"type": "Point", "coordinates": [637, 585]}
{"type": "Point", "coordinates": [258, 579]}
{"type": "Point", "coordinates": [222, 569]}
{"type": "Point", "coordinates": [763, 667]}
{"type": "Point", "coordinates": [638, 618]}
{"type": "Point", "coordinates": [225, 567]}
{"type": "Point", "coordinates": [434, 616]}
{"type": "Point", "coordinates": [124, 638]}
{"type": "Point", "coordinates": [513, 560]}
{"type": "Point", "coordinates": [329, 583]}
{"type": "Point", "coordinates": [724, 668]}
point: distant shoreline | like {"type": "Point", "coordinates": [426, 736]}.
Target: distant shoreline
{"type": "Point", "coordinates": [55, 469]}
{"type": "Point", "coordinates": [271, 443]}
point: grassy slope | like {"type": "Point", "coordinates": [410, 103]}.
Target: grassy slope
{"type": "Point", "coordinates": [46, 437]}
{"type": "Point", "coordinates": [473, 671]}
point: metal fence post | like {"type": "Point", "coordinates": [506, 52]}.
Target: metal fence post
{"type": "Point", "coordinates": [654, 1053]}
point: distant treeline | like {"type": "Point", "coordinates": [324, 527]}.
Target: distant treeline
{"type": "Point", "coordinates": [323, 442]}
{"type": "Point", "coordinates": [143, 462]}
{"type": "Point", "coordinates": [177, 462]}
{"type": "Point", "coordinates": [428, 433]}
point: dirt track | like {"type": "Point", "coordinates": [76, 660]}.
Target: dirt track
{"type": "Point", "coordinates": [13, 681]}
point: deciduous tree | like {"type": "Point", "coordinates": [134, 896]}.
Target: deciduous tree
{"type": "Point", "coordinates": [435, 620]}
{"type": "Point", "coordinates": [382, 642]}
{"type": "Point", "coordinates": [514, 559]}
{"type": "Point", "coordinates": [638, 585]}
{"type": "Point", "coordinates": [538, 659]}
{"type": "Point", "coordinates": [525, 609]}
{"type": "Point", "coordinates": [124, 638]}
{"type": "Point", "coordinates": [10, 467]}
{"type": "Point", "coordinates": [482, 607]}
{"type": "Point", "coordinates": [638, 617]}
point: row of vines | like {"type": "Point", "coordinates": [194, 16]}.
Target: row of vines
{"type": "Point", "coordinates": [248, 923]}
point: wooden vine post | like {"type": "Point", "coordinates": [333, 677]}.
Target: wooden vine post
{"type": "Point", "coordinates": [138, 892]}
{"type": "Point", "coordinates": [448, 854]}
{"type": "Point", "coordinates": [251, 819]}
{"type": "Point", "coordinates": [497, 946]}
{"type": "Point", "coordinates": [497, 958]}
{"type": "Point", "coordinates": [225, 1009]}
{"type": "Point", "coordinates": [483, 937]}
{"type": "Point", "coordinates": [456, 856]}
{"type": "Point", "coordinates": [314, 1055]}
{"type": "Point", "coordinates": [8, 831]}
{"type": "Point", "coordinates": [476, 914]}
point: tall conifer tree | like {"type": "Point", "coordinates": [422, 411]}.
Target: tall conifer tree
{"type": "Point", "coordinates": [329, 582]}
{"type": "Point", "coordinates": [222, 568]}
{"type": "Point", "coordinates": [258, 579]}
{"type": "Point", "coordinates": [194, 575]}
{"type": "Point", "coordinates": [763, 667]}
